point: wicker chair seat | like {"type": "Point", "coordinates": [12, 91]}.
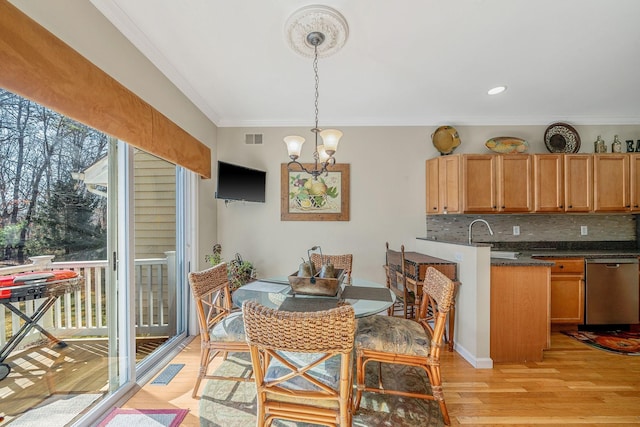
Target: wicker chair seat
{"type": "Point", "coordinates": [392, 335]}
{"type": "Point", "coordinates": [327, 372]}
{"type": "Point", "coordinates": [231, 328]}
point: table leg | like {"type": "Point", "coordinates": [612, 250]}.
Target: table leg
{"type": "Point", "coordinates": [452, 316]}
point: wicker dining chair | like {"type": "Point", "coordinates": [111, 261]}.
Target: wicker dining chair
{"type": "Point", "coordinates": [302, 363]}
{"type": "Point", "coordinates": [407, 342]}
{"type": "Point", "coordinates": [400, 284]}
{"type": "Point", "coordinates": [221, 330]}
{"type": "Point", "coordinates": [344, 262]}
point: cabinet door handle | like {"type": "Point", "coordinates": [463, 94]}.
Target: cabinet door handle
{"type": "Point", "coordinates": [570, 206]}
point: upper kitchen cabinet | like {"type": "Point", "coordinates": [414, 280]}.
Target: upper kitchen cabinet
{"type": "Point", "coordinates": [496, 183]}
{"type": "Point", "coordinates": [515, 183]}
{"type": "Point", "coordinates": [548, 171]}
{"type": "Point", "coordinates": [634, 188]}
{"type": "Point", "coordinates": [611, 183]}
{"type": "Point", "coordinates": [578, 182]}
{"type": "Point", "coordinates": [443, 185]}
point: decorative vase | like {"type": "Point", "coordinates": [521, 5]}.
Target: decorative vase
{"type": "Point", "coordinates": [616, 145]}
{"type": "Point", "coordinates": [599, 146]}
{"type": "Point", "coordinates": [638, 146]}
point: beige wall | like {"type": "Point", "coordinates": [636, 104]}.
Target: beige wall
{"type": "Point", "coordinates": [387, 191]}
{"type": "Point", "coordinates": [387, 199]}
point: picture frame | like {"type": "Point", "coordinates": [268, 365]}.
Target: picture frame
{"type": "Point", "coordinates": [304, 199]}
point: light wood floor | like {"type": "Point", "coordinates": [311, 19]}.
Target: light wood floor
{"type": "Point", "coordinates": [575, 384]}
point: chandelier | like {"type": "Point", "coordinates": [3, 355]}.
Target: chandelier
{"type": "Point", "coordinates": [316, 25]}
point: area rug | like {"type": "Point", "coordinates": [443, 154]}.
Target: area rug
{"type": "Point", "coordinates": [119, 417]}
{"type": "Point", "coordinates": [619, 342]}
{"type": "Point", "coordinates": [57, 410]}
{"type": "Point", "coordinates": [233, 404]}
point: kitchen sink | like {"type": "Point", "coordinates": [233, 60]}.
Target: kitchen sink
{"type": "Point", "coordinates": [504, 254]}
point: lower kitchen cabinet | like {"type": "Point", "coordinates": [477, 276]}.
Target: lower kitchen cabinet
{"type": "Point", "coordinates": [567, 291]}
{"type": "Point", "coordinates": [520, 327]}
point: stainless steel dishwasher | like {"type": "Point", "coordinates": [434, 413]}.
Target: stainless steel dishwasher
{"type": "Point", "coordinates": [611, 291]}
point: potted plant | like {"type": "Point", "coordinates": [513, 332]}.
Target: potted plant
{"type": "Point", "coordinates": [240, 271]}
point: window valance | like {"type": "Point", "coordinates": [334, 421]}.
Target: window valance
{"type": "Point", "coordinates": [39, 66]}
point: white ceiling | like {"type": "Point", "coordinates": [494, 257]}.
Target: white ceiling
{"type": "Point", "coordinates": [405, 62]}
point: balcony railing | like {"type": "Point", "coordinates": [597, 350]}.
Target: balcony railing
{"type": "Point", "coordinates": [83, 313]}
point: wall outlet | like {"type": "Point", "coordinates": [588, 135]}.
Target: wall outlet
{"type": "Point", "coordinates": [583, 230]}
{"type": "Point", "coordinates": [516, 230]}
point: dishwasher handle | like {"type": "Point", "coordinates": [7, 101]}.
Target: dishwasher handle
{"type": "Point", "coordinates": [613, 262]}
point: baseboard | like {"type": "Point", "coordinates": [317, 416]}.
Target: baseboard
{"type": "Point", "coordinates": [478, 363]}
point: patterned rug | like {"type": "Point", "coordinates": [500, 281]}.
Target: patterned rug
{"type": "Point", "coordinates": [619, 342]}
{"type": "Point", "coordinates": [233, 404]}
{"type": "Point", "coordinates": [119, 417]}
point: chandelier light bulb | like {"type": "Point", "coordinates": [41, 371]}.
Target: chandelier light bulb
{"type": "Point", "coordinates": [294, 145]}
{"type": "Point", "coordinates": [331, 137]}
{"type": "Point", "coordinates": [322, 154]}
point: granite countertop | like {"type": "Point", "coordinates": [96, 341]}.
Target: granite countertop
{"type": "Point", "coordinates": [538, 253]}
{"type": "Point", "coordinates": [542, 257]}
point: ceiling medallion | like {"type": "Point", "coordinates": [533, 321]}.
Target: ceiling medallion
{"type": "Point", "coordinates": [316, 18]}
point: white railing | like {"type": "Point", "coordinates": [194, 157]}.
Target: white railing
{"type": "Point", "coordinates": [82, 313]}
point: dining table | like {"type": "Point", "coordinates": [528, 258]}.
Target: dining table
{"type": "Point", "coordinates": [366, 297]}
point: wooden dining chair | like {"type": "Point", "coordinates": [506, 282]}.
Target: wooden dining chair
{"type": "Point", "coordinates": [221, 330]}
{"type": "Point", "coordinates": [416, 343]}
{"type": "Point", "coordinates": [344, 262]}
{"type": "Point", "coordinates": [400, 284]}
{"type": "Point", "coordinates": [302, 363]}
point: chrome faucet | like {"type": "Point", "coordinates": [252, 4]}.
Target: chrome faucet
{"type": "Point", "coordinates": [479, 220]}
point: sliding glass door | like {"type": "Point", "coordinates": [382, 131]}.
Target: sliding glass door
{"type": "Point", "coordinates": [75, 199]}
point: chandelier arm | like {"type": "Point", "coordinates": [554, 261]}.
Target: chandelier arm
{"type": "Point", "coordinates": [315, 172]}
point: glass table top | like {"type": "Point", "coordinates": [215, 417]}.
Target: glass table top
{"type": "Point", "coordinates": [365, 296]}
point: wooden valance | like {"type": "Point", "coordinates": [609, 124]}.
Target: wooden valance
{"type": "Point", "coordinates": [37, 65]}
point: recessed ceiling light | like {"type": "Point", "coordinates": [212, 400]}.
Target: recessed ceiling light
{"type": "Point", "coordinates": [496, 90]}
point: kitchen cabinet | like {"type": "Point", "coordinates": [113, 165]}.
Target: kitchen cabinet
{"type": "Point", "coordinates": [611, 183]}
{"type": "Point", "coordinates": [567, 291]}
{"type": "Point", "coordinates": [497, 183]}
{"type": "Point", "coordinates": [578, 182]}
{"type": "Point", "coordinates": [634, 179]}
{"type": "Point", "coordinates": [548, 171]}
{"type": "Point", "coordinates": [544, 183]}
{"type": "Point", "coordinates": [443, 185]}
{"type": "Point", "coordinates": [519, 307]}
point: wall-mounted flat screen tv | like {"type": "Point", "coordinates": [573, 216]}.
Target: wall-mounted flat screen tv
{"type": "Point", "coordinates": [237, 182]}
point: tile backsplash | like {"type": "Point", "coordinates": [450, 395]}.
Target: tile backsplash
{"type": "Point", "coordinates": [534, 228]}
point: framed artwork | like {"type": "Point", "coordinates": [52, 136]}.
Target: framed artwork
{"type": "Point", "coordinates": [304, 199]}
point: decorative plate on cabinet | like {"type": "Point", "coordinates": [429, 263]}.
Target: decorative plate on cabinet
{"type": "Point", "coordinates": [445, 139]}
{"type": "Point", "coordinates": [507, 145]}
{"type": "Point", "coordinates": [561, 138]}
